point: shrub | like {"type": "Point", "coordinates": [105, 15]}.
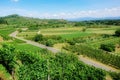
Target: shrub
{"type": "Point", "coordinates": [108, 47]}
{"type": "Point", "coordinates": [72, 42]}
{"type": "Point", "coordinates": [19, 30]}
{"type": "Point", "coordinates": [38, 37]}
{"type": "Point", "coordinates": [50, 42]}
{"type": "Point", "coordinates": [117, 32]}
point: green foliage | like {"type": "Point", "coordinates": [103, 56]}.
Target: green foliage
{"type": "Point", "coordinates": [62, 66]}
{"type": "Point", "coordinates": [7, 57]}
{"type": "Point", "coordinates": [108, 47]}
{"type": "Point", "coordinates": [33, 67]}
{"type": "Point", "coordinates": [19, 30]}
{"type": "Point", "coordinates": [40, 66]}
{"type": "Point", "coordinates": [38, 37]}
{"type": "Point", "coordinates": [18, 41]}
{"type": "Point", "coordinates": [2, 21]}
{"type": "Point", "coordinates": [49, 42]}
{"type": "Point", "coordinates": [93, 23]}
{"type": "Point", "coordinates": [115, 76]}
{"type": "Point", "coordinates": [97, 54]}
{"type": "Point", "coordinates": [4, 75]}
{"type": "Point", "coordinates": [5, 32]}
{"type": "Point", "coordinates": [71, 42]}
{"type": "Point", "coordinates": [84, 29]}
{"type": "Point", "coordinates": [117, 32]}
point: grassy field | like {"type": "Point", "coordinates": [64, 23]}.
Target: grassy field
{"type": "Point", "coordinates": [27, 47]}
{"type": "Point", "coordinates": [22, 46]}
{"type": "Point", "coordinates": [70, 32]}
{"type": "Point", "coordinates": [76, 32]}
{"type": "Point", "coordinates": [6, 31]}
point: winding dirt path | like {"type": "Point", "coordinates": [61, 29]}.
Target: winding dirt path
{"type": "Point", "coordinates": [86, 60]}
{"type": "Point", "coordinates": [33, 43]}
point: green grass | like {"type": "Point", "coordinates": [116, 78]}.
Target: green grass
{"type": "Point", "coordinates": [18, 41]}
{"type": "Point", "coordinates": [75, 35]}
{"type": "Point", "coordinates": [6, 31]}
{"type": "Point", "coordinates": [70, 33]}
{"type": "Point", "coordinates": [27, 47]}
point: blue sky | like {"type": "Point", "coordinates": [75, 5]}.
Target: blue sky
{"type": "Point", "coordinates": [61, 8]}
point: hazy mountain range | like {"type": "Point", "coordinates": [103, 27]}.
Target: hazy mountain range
{"type": "Point", "coordinates": [92, 18]}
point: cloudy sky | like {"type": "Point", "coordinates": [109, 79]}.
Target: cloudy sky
{"type": "Point", "coordinates": [61, 8]}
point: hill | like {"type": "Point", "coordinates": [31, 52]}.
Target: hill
{"type": "Point", "coordinates": [36, 23]}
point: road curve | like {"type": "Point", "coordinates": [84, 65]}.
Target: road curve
{"type": "Point", "coordinates": [33, 43]}
{"type": "Point", "coordinates": [81, 58]}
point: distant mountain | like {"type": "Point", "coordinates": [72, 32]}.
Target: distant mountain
{"type": "Point", "coordinates": [92, 18]}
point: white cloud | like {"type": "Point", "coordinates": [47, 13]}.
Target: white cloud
{"type": "Point", "coordinates": [15, 0]}
{"type": "Point", "coordinates": [107, 12]}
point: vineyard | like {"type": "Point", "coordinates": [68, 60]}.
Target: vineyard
{"type": "Point", "coordinates": [60, 66]}
{"type": "Point", "coordinates": [22, 56]}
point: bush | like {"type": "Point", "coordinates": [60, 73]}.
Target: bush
{"type": "Point", "coordinates": [19, 30]}
{"type": "Point", "coordinates": [117, 32]}
{"type": "Point", "coordinates": [72, 42]}
{"type": "Point", "coordinates": [38, 37]}
{"type": "Point", "coordinates": [108, 47]}
{"type": "Point", "coordinates": [50, 42]}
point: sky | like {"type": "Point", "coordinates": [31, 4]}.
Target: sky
{"type": "Point", "coordinates": [61, 9]}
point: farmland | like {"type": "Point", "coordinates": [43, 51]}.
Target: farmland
{"type": "Point", "coordinates": [70, 32]}
{"type": "Point", "coordinates": [22, 53]}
